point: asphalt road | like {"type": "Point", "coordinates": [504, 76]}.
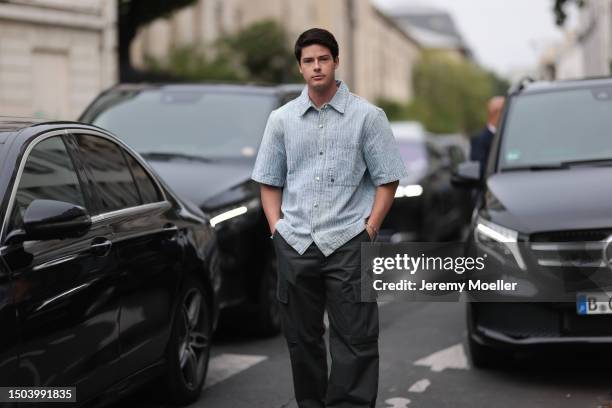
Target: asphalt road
{"type": "Point", "coordinates": [423, 364]}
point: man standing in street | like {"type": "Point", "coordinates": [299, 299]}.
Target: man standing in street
{"type": "Point", "coordinates": [480, 145]}
{"type": "Point", "coordinates": [328, 168]}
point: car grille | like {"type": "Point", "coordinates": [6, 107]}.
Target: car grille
{"type": "Point", "coordinates": [544, 320]}
{"type": "Point", "coordinates": [570, 249]}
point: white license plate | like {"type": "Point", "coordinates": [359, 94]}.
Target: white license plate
{"type": "Point", "coordinates": [594, 303]}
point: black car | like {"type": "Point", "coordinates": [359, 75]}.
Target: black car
{"type": "Point", "coordinates": [107, 280]}
{"type": "Point", "coordinates": [426, 207]}
{"type": "Point", "coordinates": [545, 218]}
{"type": "Point", "coordinates": [203, 140]}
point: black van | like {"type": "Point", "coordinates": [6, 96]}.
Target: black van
{"type": "Point", "coordinates": [544, 213]}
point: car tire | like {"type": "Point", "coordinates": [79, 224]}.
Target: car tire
{"type": "Point", "coordinates": [268, 309]}
{"type": "Point", "coordinates": [188, 350]}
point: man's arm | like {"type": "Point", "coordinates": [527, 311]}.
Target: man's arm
{"type": "Point", "coordinates": [271, 198]}
{"type": "Point", "coordinates": [383, 200]}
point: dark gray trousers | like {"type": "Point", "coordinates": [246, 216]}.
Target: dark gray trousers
{"type": "Point", "coordinates": [307, 285]}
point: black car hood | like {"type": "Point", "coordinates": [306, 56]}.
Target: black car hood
{"type": "Point", "coordinates": [200, 182]}
{"type": "Point", "coordinates": [555, 200]}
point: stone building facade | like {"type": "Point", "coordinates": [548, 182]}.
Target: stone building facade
{"type": "Point", "coordinates": [55, 55]}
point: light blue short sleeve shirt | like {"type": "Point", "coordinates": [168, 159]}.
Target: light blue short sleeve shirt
{"type": "Point", "coordinates": [328, 162]}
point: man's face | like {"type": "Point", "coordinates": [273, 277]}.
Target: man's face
{"type": "Point", "coordinates": [318, 67]}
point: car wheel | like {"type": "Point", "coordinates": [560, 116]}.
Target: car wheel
{"type": "Point", "coordinates": [188, 350]}
{"type": "Point", "coordinates": [268, 308]}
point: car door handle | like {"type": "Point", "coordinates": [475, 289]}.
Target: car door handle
{"type": "Point", "coordinates": [170, 229]}
{"type": "Point", "coordinates": [170, 232]}
{"type": "Point", "coordinates": [101, 246]}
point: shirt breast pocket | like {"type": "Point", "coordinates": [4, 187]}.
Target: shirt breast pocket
{"type": "Point", "coordinates": [348, 166]}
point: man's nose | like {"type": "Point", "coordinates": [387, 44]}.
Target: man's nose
{"type": "Point", "coordinates": [317, 65]}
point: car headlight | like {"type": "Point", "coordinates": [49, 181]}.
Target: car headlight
{"type": "Point", "coordinates": [234, 212]}
{"type": "Point", "coordinates": [499, 241]}
{"type": "Point", "coordinates": [412, 190]}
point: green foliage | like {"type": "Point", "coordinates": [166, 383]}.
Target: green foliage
{"type": "Point", "coordinates": [190, 63]}
{"type": "Point", "coordinates": [449, 95]}
{"type": "Point", "coordinates": [262, 50]}
{"type": "Point", "coordinates": [396, 111]}
{"type": "Point", "coordinates": [258, 53]}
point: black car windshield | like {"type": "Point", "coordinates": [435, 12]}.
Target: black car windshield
{"type": "Point", "coordinates": [190, 123]}
{"type": "Point", "coordinates": [548, 130]}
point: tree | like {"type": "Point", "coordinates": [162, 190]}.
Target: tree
{"type": "Point", "coordinates": [257, 53]}
{"type": "Point", "coordinates": [190, 63]}
{"type": "Point", "coordinates": [134, 14]}
{"type": "Point", "coordinates": [262, 49]}
{"type": "Point", "coordinates": [449, 95]}
{"type": "Point", "coordinates": [560, 11]}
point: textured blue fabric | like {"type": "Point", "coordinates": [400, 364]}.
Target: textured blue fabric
{"type": "Point", "coordinates": [329, 162]}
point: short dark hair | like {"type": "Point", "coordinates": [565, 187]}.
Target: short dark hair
{"type": "Point", "coordinates": [316, 36]}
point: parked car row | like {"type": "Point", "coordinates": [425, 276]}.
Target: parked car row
{"type": "Point", "coordinates": [126, 247]}
{"type": "Point", "coordinates": [427, 207]}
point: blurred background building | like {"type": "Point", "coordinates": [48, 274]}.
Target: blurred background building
{"type": "Point", "coordinates": [379, 67]}
{"type": "Point", "coordinates": [55, 55]}
{"type": "Point", "coordinates": [586, 50]}
{"type": "Point", "coordinates": [434, 29]}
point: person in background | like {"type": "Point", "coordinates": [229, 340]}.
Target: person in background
{"type": "Point", "coordinates": [328, 168]}
{"type": "Point", "coordinates": [480, 145]}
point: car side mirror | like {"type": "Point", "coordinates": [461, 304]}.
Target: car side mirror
{"type": "Point", "coordinates": [467, 175]}
{"type": "Point", "coordinates": [50, 219]}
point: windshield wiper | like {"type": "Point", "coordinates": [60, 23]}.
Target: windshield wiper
{"type": "Point", "coordinates": [170, 156]}
{"type": "Point", "coordinates": [602, 162]}
{"type": "Point", "coordinates": [560, 166]}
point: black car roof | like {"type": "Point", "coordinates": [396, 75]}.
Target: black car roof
{"type": "Point", "coordinates": [559, 85]}
{"type": "Point", "coordinates": [26, 127]}
{"type": "Point", "coordinates": [220, 87]}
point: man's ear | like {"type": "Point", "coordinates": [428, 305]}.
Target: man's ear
{"type": "Point", "coordinates": [300, 68]}
{"type": "Point", "coordinates": [336, 62]}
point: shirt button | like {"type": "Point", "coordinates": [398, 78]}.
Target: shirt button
{"type": "Point", "coordinates": [320, 153]}
{"type": "Point", "coordinates": [316, 205]}
{"type": "Point", "coordinates": [320, 126]}
{"type": "Point", "coordinates": [316, 178]}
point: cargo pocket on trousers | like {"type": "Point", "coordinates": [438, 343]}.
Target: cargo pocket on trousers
{"type": "Point", "coordinates": [363, 318]}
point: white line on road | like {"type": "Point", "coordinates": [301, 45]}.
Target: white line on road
{"type": "Point", "coordinates": [398, 402]}
{"type": "Point", "coordinates": [223, 366]}
{"type": "Point", "coordinates": [452, 357]}
{"type": "Point", "coordinates": [420, 386]}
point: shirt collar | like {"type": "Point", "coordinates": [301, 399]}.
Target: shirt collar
{"type": "Point", "coordinates": [338, 102]}
{"type": "Point", "coordinates": [491, 128]}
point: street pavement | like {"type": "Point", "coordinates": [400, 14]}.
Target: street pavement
{"type": "Point", "coordinates": [423, 364]}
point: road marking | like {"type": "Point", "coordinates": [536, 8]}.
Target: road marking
{"type": "Point", "coordinates": [398, 402]}
{"type": "Point", "coordinates": [224, 366]}
{"type": "Point", "coordinates": [452, 357]}
{"type": "Point", "coordinates": [420, 386]}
